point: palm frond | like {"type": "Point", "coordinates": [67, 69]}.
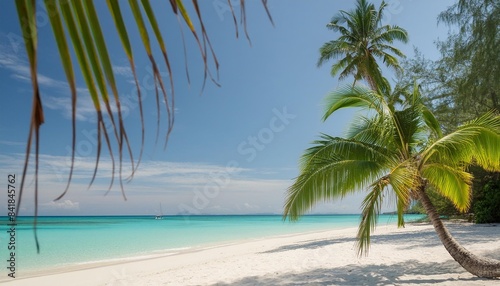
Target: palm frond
{"type": "Point", "coordinates": [62, 45]}
{"type": "Point", "coordinates": [402, 178]}
{"type": "Point", "coordinates": [81, 22]}
{"type": "Point", "coordinates": [451, 181]}
{"type": "Point", "coordinates": [85, 66]}
{"type": "Point", "coordinates": [331, 169]}
{"type": "Point", "coordinates": [26, 11]}
{"type": "Point", "coordinates": [350, 67]}
{"type": "Point", "coordinates": [486, 151]}
{"type": "Point", "coordinates": [170, 107]}
{"type": "Point", "coordinates": [389, 34]}
{"type": "Point", "coordinates": [384, 47]}
{"type": "Point", "coordinates": [407, 123]}
{"type": "Point", "coordinates": [477, 141]}
{"type": "Point", "coordinates": [380, 13]}
{"type": "Point", "coordinates": [266, 7]}
{"type": "Point", "coordinates": [84, 17]}
{"type": "Point", "coordinates": [370, 206]}
{"type": "Point", "coordinates": [372, 130]}
{"type": "Point", "coordinates": [90, 48]}
{"type": "Point", "coordinates": [342, 64]}
{"type": "Point", "coordinates": [333, 49]}
{"type": "Point", "coordinates": [357, 96]}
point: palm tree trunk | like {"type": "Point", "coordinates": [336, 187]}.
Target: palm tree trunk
{"type": "Point", "coordinates": [371, 82]}
{"type": "Point", "coordinates": [479, 266]}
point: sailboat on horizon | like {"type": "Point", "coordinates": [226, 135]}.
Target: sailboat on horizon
{"type": "Point", "coordinates": [160, 216]}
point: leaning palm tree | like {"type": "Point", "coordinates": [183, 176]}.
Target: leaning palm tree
{"type": "Point", "coordinates": [362, 41]}
{"type": "Point", "coordinates": [397, 150]}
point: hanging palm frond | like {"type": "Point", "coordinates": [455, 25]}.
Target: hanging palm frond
{"type": "Point", "coordinates": [79, 20]}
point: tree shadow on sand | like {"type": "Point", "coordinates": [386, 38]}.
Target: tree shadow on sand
{"type": "Point", "coordinates": [464, 234]}
{"type": "Point", "coordinates": [407, 272]}
{"type": "Point", "coordinates": [419, 274]}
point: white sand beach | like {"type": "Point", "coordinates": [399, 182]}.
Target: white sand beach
{"type": "Point", "coordinates": [407, 256]}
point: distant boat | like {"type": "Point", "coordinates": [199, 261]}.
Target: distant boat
{"type": "Point", "coordinates": [160, 216]}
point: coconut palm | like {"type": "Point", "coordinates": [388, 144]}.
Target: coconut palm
{"type": "Point", "coordinates": [398, 151]}
{"type": "Point", "coordinates": [362, 41]}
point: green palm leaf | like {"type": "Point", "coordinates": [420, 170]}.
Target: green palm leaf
{"type": "Point", "coordinates": [473, 142]}
{"type": "Point", "coordinates": [331, 169]}
{"type": "Point", "coordinates": [62, 45]}
{"type": "Point", "coordinates": [357, 96]}
{"type": "Point", "coordinates": [370, 206]}
{"type": "Point", "coordinates": [452, 182]}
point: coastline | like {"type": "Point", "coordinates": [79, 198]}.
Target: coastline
{"type": "Point", "coordinates": [69, 241]}
{"type": "Point", "coordinates": [407, 256]}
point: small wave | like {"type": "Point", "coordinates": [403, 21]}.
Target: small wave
{"type": "Point", "coordinates": [153, 254]}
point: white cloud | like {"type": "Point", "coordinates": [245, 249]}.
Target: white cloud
{"type": "Point", "coordinates": [125, 71]}
{"type": "Point", "coordinates": [178, 181]}
{"type": "Point", "coordinates": [198, 188]}
{"type": "Point", "coordinates": [250, 207]}
{"type": "Point", "coordinates": [85, 110]}
{"type": "Point", "coordinates": [12, 143]}
{"type": "Point", "coordinates": [20, 70]}
{"type": "Point", "coordinates": [64, 205]}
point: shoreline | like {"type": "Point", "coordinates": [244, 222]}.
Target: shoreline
{"type": "Point", "coordinates": [157, 255]}
{"type": "Point", "coordinates": [404, 256]}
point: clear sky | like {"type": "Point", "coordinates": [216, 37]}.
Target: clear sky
{"type": "Point", "coordinates": [234, 149]}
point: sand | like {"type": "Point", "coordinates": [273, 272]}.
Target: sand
{"type": "Point", "coordinates": [407, 256]}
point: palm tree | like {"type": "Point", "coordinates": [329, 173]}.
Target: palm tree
{"type": "Point", "coordinates": [397, 150]}
{"type": "Point", "coordinates": [362, 41]}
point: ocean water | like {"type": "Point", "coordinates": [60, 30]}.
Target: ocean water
{"type": "Point", "coordinates": [73, 241]}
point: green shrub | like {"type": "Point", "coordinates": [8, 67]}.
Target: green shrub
{"type": "Point", "coordinates": [487, 208]}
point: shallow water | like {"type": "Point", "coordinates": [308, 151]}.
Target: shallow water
{"type": "Point", "coordinates": [70, 241]}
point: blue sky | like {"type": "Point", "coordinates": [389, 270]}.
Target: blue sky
{"type": "Point", "coordinates": [234, 149]}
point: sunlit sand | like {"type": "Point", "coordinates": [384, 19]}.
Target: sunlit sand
{"type": "Point", "coordinates": [407, 256]}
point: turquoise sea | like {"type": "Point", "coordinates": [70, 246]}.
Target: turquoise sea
{"type": "Point", "coordinates": [73, 241]}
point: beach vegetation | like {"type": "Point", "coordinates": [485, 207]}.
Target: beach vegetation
{"type": "Point", "coordinates": [463, 82]}
{"type": "Point", "coordinates": [487, 207]}
{"type": "Point", "coordinates": [396, 151]}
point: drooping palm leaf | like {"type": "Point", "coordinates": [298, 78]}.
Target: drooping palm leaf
{"type": "Point", "coordinates": [102, 50]}
{"type": "Point", "coordinates": [81, 56]}
{"type": "Point", "coordinates": [62, 45]}
{"type": "Point", "coordinates": [26, 14]}
{"type": "Point", "coordinates": [98, 75]}
{"type": "Point", "coordinates": [80, 21]}
{"type": "Point", "coordinates": [370, 206]}
{"type": "Point", "coordinates": [161, 43]}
